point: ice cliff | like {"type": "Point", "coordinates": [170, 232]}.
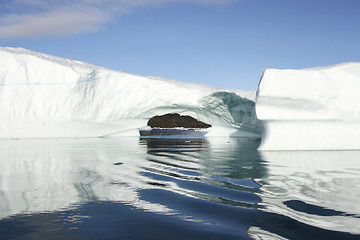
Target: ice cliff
{"type": "Point", "coordinates": [48, 96]}
{"type": "Point", "coordinates": [310, 109]}
{"type": "Point", "coordinates": [43, 96]}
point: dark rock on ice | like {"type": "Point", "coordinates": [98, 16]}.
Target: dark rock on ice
{"type": "Point", "coordinates": [175, 120]}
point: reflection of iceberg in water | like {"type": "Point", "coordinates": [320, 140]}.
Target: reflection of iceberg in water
{"type": "Point", "coordinates": [47, 175]}
{"type": "Point", "coordinates": [195, 168]}
{"type": "Point", "coordinates": [213, 182]}
{"type": "Point", "coordinates": [317, 188]}
{"type": "Point", "coordinates": [50, 175]}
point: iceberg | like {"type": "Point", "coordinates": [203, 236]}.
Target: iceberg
{"type": "Point", "coordinates": [309, 109]}
{"type": "Point", "coordinates": [45, 96]}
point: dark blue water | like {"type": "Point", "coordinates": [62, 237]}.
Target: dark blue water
{"type": "Point", "coordinates": [216, 188]}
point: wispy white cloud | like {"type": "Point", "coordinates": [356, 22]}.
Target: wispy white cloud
{"type": "Point", "coordinates": [42, 18]}
{"type": "Point", "coordinates": [51, 23]}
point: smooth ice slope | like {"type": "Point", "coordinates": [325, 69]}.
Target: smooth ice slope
{"type": "Point", "coordinates": [310, 109]}
{"type": "Point", "coordinates": [47, 96]}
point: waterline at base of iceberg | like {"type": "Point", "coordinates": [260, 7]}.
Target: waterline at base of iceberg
{"type": "Point", "coordinates": [310, 135]}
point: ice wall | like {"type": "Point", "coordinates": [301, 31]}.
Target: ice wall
{"type": "Point", "coordinates": [310, 109]}
{"type": "Point", "coordinates": [47, 96]}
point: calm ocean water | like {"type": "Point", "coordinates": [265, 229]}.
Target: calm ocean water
{"type": "Point", "coordinates": [216, 188]}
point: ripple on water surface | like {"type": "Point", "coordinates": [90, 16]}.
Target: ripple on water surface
{"type": "Point", "coordinates": [214, 188]}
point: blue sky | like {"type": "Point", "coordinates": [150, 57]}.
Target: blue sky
{"type": "Point", "coordinates": [223, 43]}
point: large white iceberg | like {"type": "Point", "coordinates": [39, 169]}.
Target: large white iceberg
{"type": "Point", "coordinates": [47, 96]}
{"type": "Point", "coordinates": [310, 109]}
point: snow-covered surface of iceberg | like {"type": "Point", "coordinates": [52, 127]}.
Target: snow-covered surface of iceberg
{"type": "Point", "coordinates": [48, 96]}
{"type": "Point", "coordinates": [310, 109]}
